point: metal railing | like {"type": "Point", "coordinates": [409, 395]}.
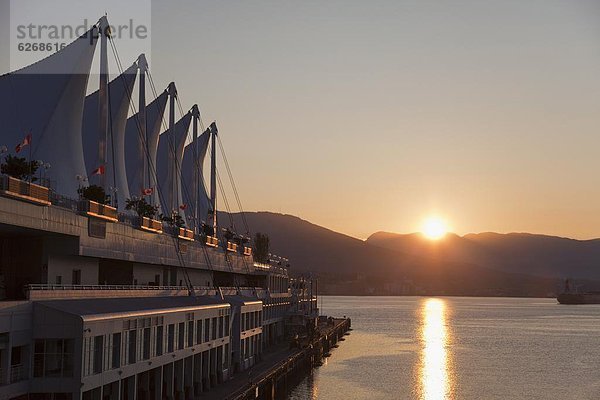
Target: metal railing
{"type": "Point", "coordinates": [129, 219]}
{"type": "Point", "coordinates": [17, 373]}
{"type": "Point", "coordinates": [61, 201]}
{"type": "Point", "coordinates": [49, 286]}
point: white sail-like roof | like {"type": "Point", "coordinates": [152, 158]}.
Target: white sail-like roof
{"type": "Point", "coordinates": [119, 90]}
{"type": "Point", "coordinates": [171, 143]}
{"type": "Point", "coordinates": [134, 160]}
{"type": "Point", "coordinates": [191, 172]}
{"type": "Point", "coordinates": [46, 100]}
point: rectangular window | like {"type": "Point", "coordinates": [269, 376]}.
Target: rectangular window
{"type": "Point", "coordinates": [159, 340]}
{"type": "Point", "coordinates": [227, 325]}
{"type": "Point", "coordinates": [98, 352]}
{"type": "Point", "coordinates": [221, 322]}
{"type": "Point", "coordinates": [51, 358]}
{"type": "Point", "coordinates": [116, 350]}
{"type": "Point", "coordinates": [76, 278]}
{"type": "Point", "coordinates": [38, 358]}
{"type": "Point", "coordinates": [226, 356]}
{"type": "Point", "coordinates": [190, 332]}
{"type": "Point", "coordinates": [58, 280]}
{"type": "Point", "coordinates": [171, 338]}
{"type": "Point", "coordinates": [68, 354]}
{"type": "Point", "coordinates": [214, 328]}
{"type": "Point", "coordinates": [206, 329]}
{"type": "Point", "coordinates": [132, 347]}
{"type": "Point", "coordinates": [199, 331]}
{"type": "Point", "coordinates": [146, 344]}
{"type": "Point", "coordinates": [181, 336]}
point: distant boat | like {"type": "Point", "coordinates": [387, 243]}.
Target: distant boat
{"type": "Point", "coordinates": [573, 296]}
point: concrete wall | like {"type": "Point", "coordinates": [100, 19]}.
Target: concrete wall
{"type": "Point", "coordinates": [63, 266]}
{"type": "Point", "coordinates": [146, 274]}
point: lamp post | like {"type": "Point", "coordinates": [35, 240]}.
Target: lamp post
{"type": "Point", "coordinates": [3, 152]}
{"type": "Point", "coordinates": [80, 180]}
{"type": "Point", "coordinates": [113, 196]}
{"type": "Point", "coordinates": [39, 164]}
{"type": "Point", "coordinates": [46, 167]}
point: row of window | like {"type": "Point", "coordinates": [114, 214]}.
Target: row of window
{"type": "Point", "coordinates": [144, 343]}
{"type": "Point", "coordinates": [53, 358]}
{"type": "Point", "coordinates": [251, 320]}
{"type": "Point", "coordinates": [251, 346]}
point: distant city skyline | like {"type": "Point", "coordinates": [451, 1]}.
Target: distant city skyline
{"type": "Point", "coordinates": [363, 117]}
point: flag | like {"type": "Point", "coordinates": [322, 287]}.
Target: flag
{"type": "Point", "coordinates": [26, 141]}
{"type": "Point", "coordinates": [183, 206]}
{"type": "Point", "coordinates": [147, 191]}
{"type": "Point", "coordinates": [98, 171]}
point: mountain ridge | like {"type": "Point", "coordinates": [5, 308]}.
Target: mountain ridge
{"type": "Point", "coordinates": [348, 265]}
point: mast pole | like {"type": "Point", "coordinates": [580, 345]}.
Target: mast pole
{"type": "Point", "coordinates": [171, 138]}
{"type": "Point", "coordinates": [104, 32]}
{"type": "Point", "coordinates": [142, 138]}
{"type": "Point", "coordinates": [196, 166]}
{"type": "Point", "coordinates": [213, 176]}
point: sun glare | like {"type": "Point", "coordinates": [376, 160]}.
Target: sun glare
{"type": "Point", "coordinates": [434, 228]}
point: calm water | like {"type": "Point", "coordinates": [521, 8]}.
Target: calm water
{"type": "Point", "coordinates": [460, 348]}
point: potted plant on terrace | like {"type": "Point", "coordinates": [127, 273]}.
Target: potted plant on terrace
{"type": "Point", "coordinates": [147, 214]}
{"type": "Point", "coordinates": [178, 224]}
{"type": "Point", "coordinates": [93, 203]}
{"type": "Point", "coordinates": [17, 178]}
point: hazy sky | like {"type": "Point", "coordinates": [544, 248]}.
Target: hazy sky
{"type": "Point", "coordinates": [372, 115]}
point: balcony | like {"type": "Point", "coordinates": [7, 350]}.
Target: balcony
{"type": "Point", "coordinates": [97, 210]}
{"type": "Point", "coordinates": [186, 234]}
{"type": "Point", "coordinates": [151, 225]}
{"type": "Point", "coordinates": [212, 241]}
{"type": "Point", "coordinates": [232, 247]}
{"type": "Point", "coordinates": [22, 190]}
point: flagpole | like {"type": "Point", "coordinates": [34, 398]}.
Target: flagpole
{"type": "Point", "coordinates": [30, 169]}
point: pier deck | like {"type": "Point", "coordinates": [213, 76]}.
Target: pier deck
{"type": "Point", "coordinates": [277, 364]}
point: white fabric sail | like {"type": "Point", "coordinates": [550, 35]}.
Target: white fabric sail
{"type": "Point", "coordinates": [119, 90]}
{"type": "Point", "coordinates": [189, 171]}
{"type": "Point", "coordinates": [46, 100]}
{"type": "Point", "coordinates": [134, 161]}
{"type": "Point", "coordinates": [169, 177]}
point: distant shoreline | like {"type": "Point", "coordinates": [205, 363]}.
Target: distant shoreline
{"type": "Point", "coordinates": [436, 295]}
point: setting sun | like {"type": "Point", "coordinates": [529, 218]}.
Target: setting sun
{"type": "Point", "coordinates": [434, 228]}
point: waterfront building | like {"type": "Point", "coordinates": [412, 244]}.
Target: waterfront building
{"type": "Point", "coordinates": [98, 301]}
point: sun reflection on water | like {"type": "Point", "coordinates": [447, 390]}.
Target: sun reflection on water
{"type": "Point", "coordinates": [434, 374]}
